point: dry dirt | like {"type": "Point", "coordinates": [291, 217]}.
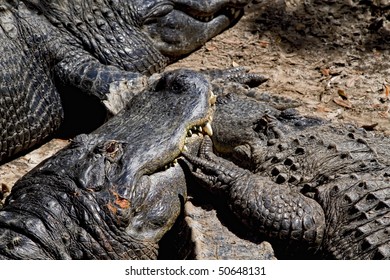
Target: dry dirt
{"type": "Point", "coordinates": [330, 56]}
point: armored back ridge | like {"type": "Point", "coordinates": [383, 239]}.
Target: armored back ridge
{"type": "Point", "coordinates": [30, 107]}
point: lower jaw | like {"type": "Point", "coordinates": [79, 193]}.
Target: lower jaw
{"type": "Point", "coordinates": [172, 41]}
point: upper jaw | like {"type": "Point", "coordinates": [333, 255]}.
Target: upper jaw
{"type": "Point", "coordinates": [207, 8]}
{"type": "Point", "coordinates": [149, 12]}
{"type": "Point", "coordinates": [187, 25]}
{"type": "Point", "coordinates": [204, 10]}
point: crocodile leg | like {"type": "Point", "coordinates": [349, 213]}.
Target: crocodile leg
{"type": "Point", "coordinates": [113, 86]}
{"type": "Point", "coordinates": [266, 207]}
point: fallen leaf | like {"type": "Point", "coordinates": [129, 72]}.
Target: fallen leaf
{"type": "Point", "coordinates": [386, 90]}
{"type": "Point", "coordinates": [211, 47]}
{"type": "Point", "coordinates": [4, 188]}
{"type": "Point", "coordinates": [370, 127]}
{"type": "Point", "coordinates": [231, 42]}
{"type": "Point", "coordinates": [325, 71]}
{"type": "Point", "coordinates": [342, 94]}
{"type": "Point", "coordinates": [343, 103]}
{"type": "Point", "coordinates": [263, 44]}
{"type": "Point", "coordinates": [323, 109]}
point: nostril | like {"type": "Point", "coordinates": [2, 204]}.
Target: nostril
{"type": "Point", "coordinates": [111, 148]}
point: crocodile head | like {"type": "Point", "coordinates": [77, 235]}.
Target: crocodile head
{"type": "Point", "coordinates": [110, 190]}
{"type": "Point", "coordinates": [154, 132]}
{"type": "Point", "coordinates": [140, 35]}
{"type": "Point", "coordinates": [126, 159]}
{"type": "Point", "coordinates": [244, 128]}
{"type": "Point", "coordinates": [178, 27]}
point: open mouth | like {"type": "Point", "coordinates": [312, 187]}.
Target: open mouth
{"type": "Point", "coordinates": [204, 128]}
{"type": "Point", "coordinates": [163, 9]}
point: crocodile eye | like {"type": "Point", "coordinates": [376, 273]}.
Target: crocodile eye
{"type": "Point", "coordinates": [112, 150]}
{"type": "Point", "coordinates": [177, 86]}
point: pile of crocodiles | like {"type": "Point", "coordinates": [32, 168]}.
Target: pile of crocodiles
{"type": "Point", "coordinates": [304, 183]}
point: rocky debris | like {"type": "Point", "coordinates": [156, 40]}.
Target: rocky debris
{"type": "Point", "coordinates": [213, 240]}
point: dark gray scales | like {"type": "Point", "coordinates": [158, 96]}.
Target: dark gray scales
{"type": "Point", "coordinates": [317, 188]}
{"type": "Point", "coordinates": [108, 195]}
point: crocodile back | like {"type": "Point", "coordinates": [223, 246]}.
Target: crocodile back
{"type": "Point", "coordinates": [347, 171]}
{"type": "Point", "coordinates": [358, 218]}
{"type": "Point", "coordinates": [352, 187]}
{"type": "Point", "coordinates": [30, 107]}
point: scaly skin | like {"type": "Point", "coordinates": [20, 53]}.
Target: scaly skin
{"type": "Point", "coordinates": [30, 107]}
{"type": "Point", "coordinates": [243, 126]}
{"type": "Point", "coordinates": [173, 34]}
{"type": "Point", "coordinates": [105, 49]}
{"type": "Point", "coordinates": [264, 206]}
{"type": "Point", "coordinates": [341, 171]}
{"type": "Point", "coordinates": [105, 196]}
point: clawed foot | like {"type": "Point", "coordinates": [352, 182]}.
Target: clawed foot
{"type": "Point", "coordinates": [265, 206]}
{"type": "Point", "coordinates": [215, 172]}
{"type": "Point", "coordinates": [237, 75]}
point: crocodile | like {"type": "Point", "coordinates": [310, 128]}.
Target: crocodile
{"type": "Point", "coordinates": [298, 181]}
{"type": "Point", "coordinates": [308, 186]}
{"type": "Point", "coordinates": [54, 50]}
{"type": "Point", "coordinates": [108, 195]}
{"type": "Point", "coordinates": [312, 188]}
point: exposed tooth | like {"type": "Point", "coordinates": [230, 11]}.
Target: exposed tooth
{"type": "Point", "coordinates": [213, 98]}
{"type": "Point", "coordinates": [189, 133]}
{"type": "Point", "coordinates": [236, 14]}
{"type": "Point", "coordinates": [200, 129]}
{"type": "Point", "coordinates": [204, 18]}
{"type": "Point", "coordinates": [185, 149]}
{"type": "Point", "coordinates": [208, 130]}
